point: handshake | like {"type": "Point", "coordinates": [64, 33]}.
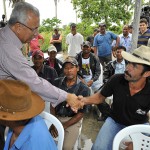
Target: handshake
{"type": "Point", "coordinates": [75, 102]}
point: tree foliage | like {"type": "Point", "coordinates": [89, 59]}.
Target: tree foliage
{"type": "Point", "coordinates": [13, 2]}
{"type": "Point", "coordinates": [49, 24]}
{"type": "Point", "coordinates": [108, 11]}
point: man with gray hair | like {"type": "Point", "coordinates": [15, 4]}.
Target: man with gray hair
{"type": "Point", "coordinates": [22, 27]}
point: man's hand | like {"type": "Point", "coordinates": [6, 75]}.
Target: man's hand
{"type": "Point", "coordinates": [73, 102]}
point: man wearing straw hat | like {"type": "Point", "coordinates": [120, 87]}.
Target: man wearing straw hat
{"type": "Point", "coordinates": [131, 97]}
{"type": "Point", "coordinates": [19, 109]}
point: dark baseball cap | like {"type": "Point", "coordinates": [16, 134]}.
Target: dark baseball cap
{"type": "Point", "coordinates": [71, 60]}
{"type": "Point", "coordinates": [86, 43]}
{"type": "Point", "coordinates": [72, 25]}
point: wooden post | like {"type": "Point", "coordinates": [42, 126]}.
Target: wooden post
{"type": "Point", "coordinates": [137, 12]}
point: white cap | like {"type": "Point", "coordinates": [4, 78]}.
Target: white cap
{"type": "Point", "coordinates": [52, 48]}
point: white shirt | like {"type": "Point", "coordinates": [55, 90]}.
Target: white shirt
{"type": "Point", "coordinates": [120, 67]}
{"type": "Point", "coordinates": [86, 71]}
{"type": "Point", "coordinates": [74, 43]}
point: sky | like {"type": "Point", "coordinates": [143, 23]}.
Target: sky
{"type": "Point", "coordinates": [65, 10]}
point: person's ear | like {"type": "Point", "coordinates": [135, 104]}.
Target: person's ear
{"type": "Point", "coordinates": [146, 74]}
{"type": "Point", "coordinates": [77, 68]}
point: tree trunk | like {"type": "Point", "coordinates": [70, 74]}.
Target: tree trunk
{"type": "Point", "coordinates": [137, 12]}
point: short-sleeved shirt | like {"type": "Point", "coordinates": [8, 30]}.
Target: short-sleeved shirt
{"type": "Point", "coordinates": [74, 43]}
{"type": "Point", "coordinates": [34, 136]}
{"type": "Point", "coordinates": [78, 89]}
{"type": "Point", "coordinates": [103, 43]}
{"type": "Point", "coordinates": [124, 41]}
{"type": "Point", "coordinates": [143, 38]}
{"type": "Point", "coordinates": [127, 109]}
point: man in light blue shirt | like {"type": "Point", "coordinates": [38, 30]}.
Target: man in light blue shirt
{"type": "Point", "coordinates": [102, 44]}
{"type": "Point", "coordinates": [125, 39]}
{"type": "Point", "coordinates": [34, 136]}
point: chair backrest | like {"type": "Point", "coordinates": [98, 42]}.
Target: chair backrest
{"type": "Point", "coordinates": [49, 120]}
{"type": "Point", "coordinates": [140, 141]}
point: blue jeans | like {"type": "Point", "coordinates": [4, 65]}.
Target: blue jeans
{"type": "Point", "coordinates": [106, 135]}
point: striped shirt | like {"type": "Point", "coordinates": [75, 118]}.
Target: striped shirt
{"type": "Point", "coordinates": [143, 38]}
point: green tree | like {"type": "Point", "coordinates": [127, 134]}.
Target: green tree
{"type": "Point", "coordinates": [108, 11]}
{"type": "Point", "coordinates": [49, 24]}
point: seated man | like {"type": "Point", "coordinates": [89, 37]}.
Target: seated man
{"type": "Point", "coordinates": [89, 67]}
{"type": "Point", "coordinates": [52, 61]}
{"type": "Point", "coordinates": [113, 67]}
{"type": "Point", "coordinates": [19, 111]}
{"type": "Point", "coordinates": [70, 120]}
{"type": "Point", "coordinates": [42, 70]}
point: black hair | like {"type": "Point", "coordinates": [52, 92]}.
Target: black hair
{"type": "Point", "coordinates": [145, 68]}
{"type": "Point", "coordinates": [121, 47]}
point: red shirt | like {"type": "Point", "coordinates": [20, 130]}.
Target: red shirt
{"type": "Point", "coordinates": [34, 43]}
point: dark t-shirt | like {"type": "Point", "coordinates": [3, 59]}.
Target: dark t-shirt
{"type": "Point", "coordinates": [127, 109]}
{"type": "Point", "coordinates": [57, 45]}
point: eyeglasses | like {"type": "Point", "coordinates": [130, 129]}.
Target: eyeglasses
{"type": "Point", "coordinates": [32, 29]}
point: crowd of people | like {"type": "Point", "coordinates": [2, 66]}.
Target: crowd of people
{"type": "Point", "coordinates": [71, 86]}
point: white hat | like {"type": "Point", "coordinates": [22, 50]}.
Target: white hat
{"type": "Point", "coordinates": [52, 48]}
{"type": "Point", "coordinates": [140, 55]}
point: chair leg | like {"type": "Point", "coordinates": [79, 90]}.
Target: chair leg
{"type": "Point", "coordinates": [79, 142]}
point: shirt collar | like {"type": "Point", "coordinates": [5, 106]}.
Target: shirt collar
{"type": "Point", "coordinates": [122, 36]}
{"type": "Point", "coordinates": [123, 62]}
{"type": "Point", "coordinates": [64, 80]}
{"type": "Point", "coordinates": [24, 135]}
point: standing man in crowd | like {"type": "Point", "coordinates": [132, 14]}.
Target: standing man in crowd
{"type": "Point", "coordinates": [102, 44]}
{"type": "Point", "coordinates": [22, 27]}
{"type": "Point", "coordinates": [130, 27]}
{"type": "Point", "coordinates": [125, 39]}
{"type": "Point", "coordinates": [131, 97]}
{"type": "Point", "coordinates": [144, 33]}
{"type": "Point", "coordinates": [71, 121]}
{"type": "Point", "coordinates": [74, 41]}
{"type": "Point", "coordinates": [91, 39]}
{"type": "Point", "coordinates": [35, 44]}
{"type": "Point", "coordinates": [56, 40]}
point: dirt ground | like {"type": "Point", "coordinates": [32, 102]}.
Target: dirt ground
{"type": "Point", "coordinates": [90, 129]}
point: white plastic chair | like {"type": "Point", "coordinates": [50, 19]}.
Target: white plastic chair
{"type": "Point", "coordinates": [140, 140]}
{"type": "Point", "coordinates": [49, 120]}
